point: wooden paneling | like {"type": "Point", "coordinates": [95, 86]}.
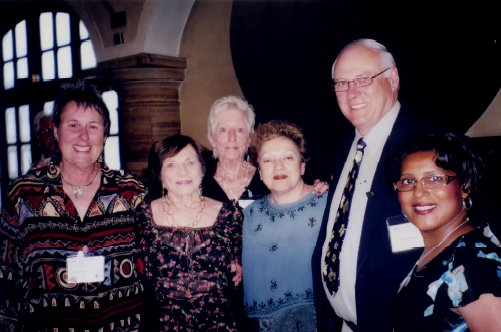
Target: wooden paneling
{"type": "Point", "coordinates": [148, 89]}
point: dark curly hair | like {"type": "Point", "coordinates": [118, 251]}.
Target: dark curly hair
{"type": "Point", "coordinates": [452, 153]}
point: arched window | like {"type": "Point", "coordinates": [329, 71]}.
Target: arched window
{"type": "Point", "coordinates": [39, 53]}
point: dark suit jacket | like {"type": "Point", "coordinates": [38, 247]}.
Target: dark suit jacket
{"type": "Point", "coordinates": [379, 271]}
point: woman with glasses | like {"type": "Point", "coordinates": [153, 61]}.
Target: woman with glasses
{"type": "Point", "coordinates": [456, 283]}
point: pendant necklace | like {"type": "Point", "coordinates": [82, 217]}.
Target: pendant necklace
{"type": "Point", "coordinates": [79, 190]}
{"type": "Point", "coordinates": [424, 255]}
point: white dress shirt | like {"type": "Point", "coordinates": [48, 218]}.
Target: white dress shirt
{"type": "Point", "coordinates": [344, 300]}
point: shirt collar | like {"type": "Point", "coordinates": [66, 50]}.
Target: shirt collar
{"type": "Point", "coordinates": [376, 137]}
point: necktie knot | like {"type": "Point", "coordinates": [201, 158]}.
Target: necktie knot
{"type": "Point", "coordinates": [360, 150]}
{"type": "Point", "coordinates": [361, 144]}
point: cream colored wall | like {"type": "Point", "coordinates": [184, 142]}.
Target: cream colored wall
{"type": "Point", "coordinates": [97, 20]}
{"type": "Point", "coordinates": [210, 73]}
{"type": "Point", "coordinates": [156, 26]}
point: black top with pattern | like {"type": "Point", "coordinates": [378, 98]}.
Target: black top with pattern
{"type": "Point", "coordinates": [466, 269]}
{"type": "Point", "coordinates": [189, 269]}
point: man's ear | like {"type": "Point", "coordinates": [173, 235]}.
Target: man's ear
{"type": "Point", "coordinates": [394, 79]}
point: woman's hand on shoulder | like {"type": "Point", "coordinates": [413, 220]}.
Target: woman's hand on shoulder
{"type": "Point", "coordinates": [320, 187]}
{"type": "Point", "coordinates": [237, 268]}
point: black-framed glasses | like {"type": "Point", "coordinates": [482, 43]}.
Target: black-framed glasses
{"type": "Point", "coordinates": [340, 86]}
{"type": "Point", "coordinates": [428, 182]}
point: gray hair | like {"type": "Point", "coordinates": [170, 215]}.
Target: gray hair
{"type": "Point", "coordinates": [386, 57]}
{"type": "Point", "coordinates": [229, 103]}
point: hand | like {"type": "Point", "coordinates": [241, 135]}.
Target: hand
{"type": "Point", "coordinates": [320, 187]}
{"type": "Point", "coordinates": [237, 268]}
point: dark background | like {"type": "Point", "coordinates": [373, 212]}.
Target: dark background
{"type": "Point", "coordinates": [448, 56]}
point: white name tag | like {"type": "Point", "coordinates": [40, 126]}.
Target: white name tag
{"type": "Point", "coordinates": [83, 268]}
{"type": "Point", "coordinates": [403, 234]}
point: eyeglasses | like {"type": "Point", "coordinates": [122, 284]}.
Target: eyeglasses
{"type": "Point", "coordinates": [428, 182]}
{"type": "Point", "coordinates": [340, 86]}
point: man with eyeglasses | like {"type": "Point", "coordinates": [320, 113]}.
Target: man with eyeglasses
{"type": "Point", "coordinates": [366, 83]}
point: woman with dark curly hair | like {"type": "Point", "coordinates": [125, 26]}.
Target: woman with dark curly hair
{"type": "Point", "coordinates": [456, 284]}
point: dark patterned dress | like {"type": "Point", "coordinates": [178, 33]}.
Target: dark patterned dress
{"type": "Point", "coordinates": [41, 228]}
{"type": "Point", "coordinates": [466, 269]}
{"type": "Point", "coordinates": [189, 270]}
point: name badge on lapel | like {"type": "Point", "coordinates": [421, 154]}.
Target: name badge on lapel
{"type": "Point", "coordinates": [403, 234]}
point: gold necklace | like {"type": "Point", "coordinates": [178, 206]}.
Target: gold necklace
{"type": "Point", "coordinates": [79, 190]}
{"type": "Point", "coordinates": [233, 191]}
{"type": "Point", "coordinates": [424, 255]}
{"type": "Point", "coordinates": [168, 204]}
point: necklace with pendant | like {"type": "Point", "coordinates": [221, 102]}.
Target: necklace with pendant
{"type": "Point", "coordinates": [424, 255]}
{"type": "Point", "coordinates": [79, 190]}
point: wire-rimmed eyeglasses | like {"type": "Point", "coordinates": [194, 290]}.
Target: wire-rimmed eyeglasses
{"type": "Point", "coordinates": [428, 182]}
{"type": "Point", "coordinates": [340, 86]}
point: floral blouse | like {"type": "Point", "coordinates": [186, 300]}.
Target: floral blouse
{"type": "Point", "coordinates": [466, 269]}
{"type": "Point", "coordinates": [189, 270]}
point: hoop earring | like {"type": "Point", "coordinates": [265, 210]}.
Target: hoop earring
{"type": "Point", "coordinates": [467, 203]}
{"type": "Point", "coordinates": [164, 191]}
